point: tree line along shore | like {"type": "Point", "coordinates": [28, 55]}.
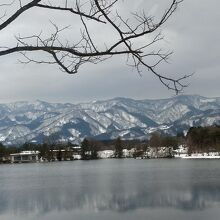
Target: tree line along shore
{"type": "Point", "coordinates": [198, 140]}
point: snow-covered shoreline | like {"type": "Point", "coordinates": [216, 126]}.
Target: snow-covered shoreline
{"type": "Point", "coordinates": [199, 156]}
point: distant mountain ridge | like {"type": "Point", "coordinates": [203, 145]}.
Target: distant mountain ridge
{"type": "Point", "coordinates": [41, 121]}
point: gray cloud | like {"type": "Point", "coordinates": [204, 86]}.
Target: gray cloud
{"type": "Point", "coordinates": [192, 33]}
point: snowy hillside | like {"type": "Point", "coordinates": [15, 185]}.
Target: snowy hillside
{"type": "Point", "coordinates": [40, 121]}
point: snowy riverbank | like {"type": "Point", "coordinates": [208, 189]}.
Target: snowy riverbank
{"type": "Point", "coordinates": [212, 155]}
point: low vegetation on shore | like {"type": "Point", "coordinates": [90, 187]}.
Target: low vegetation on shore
{"type": "Point", "coordinates": [199, 140]}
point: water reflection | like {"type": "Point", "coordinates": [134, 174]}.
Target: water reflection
{"type": "Point", "coordinates": [42, 190]}
{"type": "Point", "coordinates": [43, 201]}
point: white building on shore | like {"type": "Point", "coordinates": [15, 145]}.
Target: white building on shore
{"type": "Point", "coordinates": [25, 157]}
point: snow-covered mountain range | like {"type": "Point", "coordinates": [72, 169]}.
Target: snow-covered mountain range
{"type": "Point", "coordinates": [42, 121]}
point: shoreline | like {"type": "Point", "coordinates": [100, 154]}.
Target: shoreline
{"type": "Point", "coordinates": [198, 156]}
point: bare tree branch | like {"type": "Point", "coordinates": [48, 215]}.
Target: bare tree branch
{"type": "Point", "coordinates": [18, 13]}
{"type": "Point", "coordinates": [69, 56]}
{"type": "Point", "coordinates": [76, 12]}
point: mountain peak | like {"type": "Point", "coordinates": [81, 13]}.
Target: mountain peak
{"type": "Point", "coordinates": [125, 117]}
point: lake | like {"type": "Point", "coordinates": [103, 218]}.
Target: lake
{"type": "Point", "coordinates": [167, 189]}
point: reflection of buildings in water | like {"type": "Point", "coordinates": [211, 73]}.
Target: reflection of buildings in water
{"type": "Point", "coordinates": [62, 198]}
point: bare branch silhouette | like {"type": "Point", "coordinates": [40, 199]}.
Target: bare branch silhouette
{"type": "Point", "coordinates": [71, 55]}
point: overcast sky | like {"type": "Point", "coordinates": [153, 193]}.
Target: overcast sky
{"type": "Point", "coordinates": [193, 34]}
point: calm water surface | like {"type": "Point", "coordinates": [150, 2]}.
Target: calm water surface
{"type": "Point", "coordinates": [111, 189]}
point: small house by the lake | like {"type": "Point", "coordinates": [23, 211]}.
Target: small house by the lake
{"type": "Point", "coordinates": [25, 157]}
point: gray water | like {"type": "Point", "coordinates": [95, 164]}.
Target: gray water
{"type": "Point", "coordinates": [111, 189]}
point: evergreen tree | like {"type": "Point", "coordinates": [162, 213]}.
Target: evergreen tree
{"type": "Point", "coordinates": [94, 149]}
{"type": "Point", "coordinates": [85, 149]}
{"type": "Point", "coordinates": [118, 148]}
